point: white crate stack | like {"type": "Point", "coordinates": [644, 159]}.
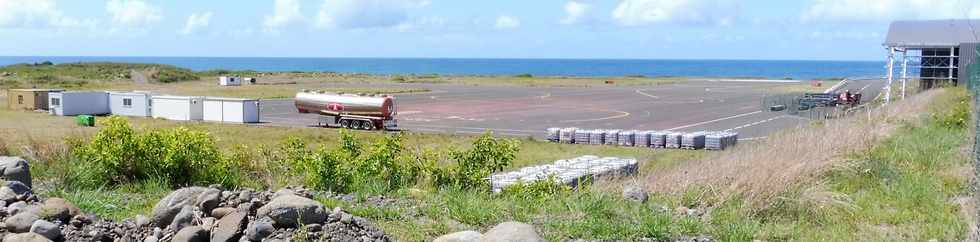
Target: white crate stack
{"type": "Point", "coordinates": [658, 139]}
{"type": "Point", "coordinates": [567, 135]}
{"type": "Point", "coordinates": [626, 138]}
{"type": "Point", "coordinates": [552, 134]}
{"type": "Point", "coordinates": [673, 140]}
{"type": "Point", "coordinates": [611, 136]}
{"type": "Point", "coordinates": [648, 138]}
{"type": "Point", "coordinates": [583, 136]}
{"type": "Point", "coordinates": [570, 172]}
{"type": "Point", "coordinates": [595, 136]}
{"type": "Point", "coordinates": [642, 138]}
{"type": "Point", "coordinates": [720, 140]}
{"type": "Point", "coordinates": [693, 141]}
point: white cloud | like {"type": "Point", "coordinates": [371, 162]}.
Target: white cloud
{"type": "Point", "coordinates": [285, 12]}
{"type": "Point", "coordinates": [354, 14]}
{"type": "Point", "coordinates": [36, 13]}
{"type": "Point", "coordinates": [424, 23]}
{"type": "Point", "coordinates": [132, 13]}
{"type": "Point", "coordinates": [887, 10]}
{"type": "Point", "coordinates": [575, 12]}
{"type": "Point", "coordinates": [644, 12]}
{"type": "Point", "coordinates": [195, 22]}
{"type": "Point", "coordinates": [507, 22]}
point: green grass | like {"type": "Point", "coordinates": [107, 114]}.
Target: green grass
{"type": "Point", "coordinates": [74, 75]}
{"type": "Point", "coordinates": [903, 189]}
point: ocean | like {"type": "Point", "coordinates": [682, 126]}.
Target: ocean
{"type": "Point", "coordinates": [770, 69]}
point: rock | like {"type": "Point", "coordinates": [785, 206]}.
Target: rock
{"type": "Point", "coordinates": [286, 210]}
{"type": "Point", "coordinates": [26, 237]}
{"type": "Point", "coordinates": [258, 230]}
{"type": "Point", "coordinates": [512, 232]}
{"type": "Point", "coordinates": [208, 223]}
{"type": "Point", "coordinates": [219, 213]}
{"type": "Point", "coordinates": [16, 207]}
{"type": "Point", "coordinates": [183, 219]}
{"type": "Point", "coordinates": [15, 169]}
{"type": "Point", "coordinates": [191, 234]}
{"type": "Point", "coordinates": [461, 236]}
{"type": "Point", "coordinates": [47, 229]}
{"type": "Point", "coordinates": [230, 227]}
{"type": "Point", "coordinates": [635, 193]}
{"type": "Point", "coordinates": [169, 206]}
{"type": "Point", "coordinates": [312, 227]}
{"type": "Point", "coordinates": [59, 208]}
{"type": "Point", "coordinates": [21, 222]}
{"type": "Point", "coordinates": [151, 238]}
{"type": "Point", "coordinates": [13, 191]}
{"type": "Point", "coordinates": [141, 221]}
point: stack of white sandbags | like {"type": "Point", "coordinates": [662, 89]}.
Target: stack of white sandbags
{"type": "Point", "coordinates": [642, 138]}
{"type": "Point", "coordinates": [658, 139]}
{"type": "Point", "coordinates": [626, 138]}
{"type": "Point", "coordinates": [567, 135]}
{"type": "Point", "coordinates": [649, 138]}
{"type": "Point", "coordinates": [673, 140]}
{"type": "Point", "coordinates": [582, 136]}
{"type": "Point", "coordinates": [571, 172]}
{"type": "Point", "coordinates": [596, 136]}
{"type": "Point", "coordinates": [611, 136]}
{"type": "Point", "coordinates": [552, 134]}
{"type": "Point", "coordinates": [720, 140]}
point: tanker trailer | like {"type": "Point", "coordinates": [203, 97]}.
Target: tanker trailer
{"type": "Point", "coordinates": [367, 112]}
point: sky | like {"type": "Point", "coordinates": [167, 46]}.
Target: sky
{"type": "Point", "coordinates": [613, 29]}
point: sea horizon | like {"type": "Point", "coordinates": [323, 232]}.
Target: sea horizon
{"type": "Point", "coordinates": [598, 67]}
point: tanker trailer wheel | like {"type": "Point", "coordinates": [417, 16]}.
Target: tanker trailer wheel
{"type": "Point", "coordinates": [345, 123]}
{"type": "Point", "coordinates": [367, 125]}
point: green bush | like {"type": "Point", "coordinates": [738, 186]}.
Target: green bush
{"type": "Point", "coordinates": [119, 154]}
{"type": "Point", "coordinates": [536, 190]}
{"type": "Point", "coordinates": [953, 111]}
{"type": "Point", "coordinates": [487, 156]}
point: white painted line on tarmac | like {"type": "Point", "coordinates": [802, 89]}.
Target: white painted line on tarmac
{"type": "Point", "coordinates": [621, 115]}
{"type": "Point", "coordinates": [754, 123]}
{"type": "Point", "coordinates": [473, 128]}
{"type": "Point", "coordinates": [640, 91]}
{"type": "Point", "coordinates": [715, 120]}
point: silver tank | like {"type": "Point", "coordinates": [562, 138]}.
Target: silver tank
{"type": "Point", "coordinates": [334, 104]}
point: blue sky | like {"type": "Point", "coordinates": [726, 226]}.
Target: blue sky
{"type": "Point", "coordinates": [646, 29]}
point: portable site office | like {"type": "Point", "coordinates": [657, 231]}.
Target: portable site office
{"type": "Point", "coordinates": [29, 99]}
{"type": "Point", "coordinates": [136, 103]}
{"type": "Point", "coordinates": [230, 81]}
{"type": "Point", "coordinates": [234, 110]}
{"type": "Point", "coordinates": [78, 103]}
{"type": "Point", "coordinates": [178, 107]}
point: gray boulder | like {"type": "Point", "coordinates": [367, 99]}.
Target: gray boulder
{"type": "Point", "coordinates": [221, 212]}
{"type": "Point", "coordinates": [15, 169]}
{"type": "Point", "coordinates": [59, 208]}
{"type": "Point", "coordinates": [512, 232]}
{"type": "Point", "coordinates": [286, 210]}
{"type": "Point", "coordinates": [11, 190]}
{"type": "Point", "coordinates": [183, 218]}
{"type": "Point", "coordinates": [21, 222]}
{"type": "Point", "coordinates": [635, 193]}
{"type": "Point", "coordinates": [169, 206]}
{"type": "Point", "coordinates": [461, 236]}
{"type": "Point", "coordinates": [191, 234]}
{"type": "Point", "coordinates": [26, 237]}
{"type": "Point", "coordinates": [47, 229]}
{"type": "Point", "coordinates": [258, 230]}
{"type": "Point", "coordinates": [230, 227]}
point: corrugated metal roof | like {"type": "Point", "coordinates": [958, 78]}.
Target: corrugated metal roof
{"type": "Point", "coordinates": [932, 33]}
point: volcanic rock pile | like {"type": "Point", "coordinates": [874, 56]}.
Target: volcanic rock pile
{"type": "Point", "coordinates": [185, 215]}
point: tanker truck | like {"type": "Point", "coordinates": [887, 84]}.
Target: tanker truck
{"type": "Point", "coordinates": [352, 111]}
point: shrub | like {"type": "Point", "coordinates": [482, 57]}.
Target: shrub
{"type": "Point", "coordinates": [953, 111]}
{"type": "Point", "coordinates": [539, 189]}
{"type": "Point", "coordinates": [487, 156]}
{"type": "Point", "coordinates": [525, 75]}
{"type": "Point", "coordinates": [119, 154]}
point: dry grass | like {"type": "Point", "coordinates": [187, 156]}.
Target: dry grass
{"type": "Point", "coordinates": [762, 171]}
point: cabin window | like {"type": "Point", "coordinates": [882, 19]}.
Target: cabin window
{"type": "Point", "coordinates": [127, 102]}
{"type": "Point", "coordinates": [56, 102]}
{"type": "Point", "coordinates": [20, 99]}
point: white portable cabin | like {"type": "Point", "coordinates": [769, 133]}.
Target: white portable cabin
{"type": "Point", "coordinates": [178, 107]}
{"type": "Point", "coordinates": [78, 103]}
{"type": "Point", "coordinates": [230, 81]}
{"type": "Point", "coordinates": [137, 104]}
{"type": "Point", "coordinates": [234, 110]}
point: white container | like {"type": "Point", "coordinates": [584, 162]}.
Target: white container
{"type": "Point", "coordinates": [78, 103]}
{"type": "Point", "coordinates": [137, 104]}
{"type": "Point", "coordinates": [232, 110]}
{"type": "Point", "coordinates": [178, 107]}
{"type": "Point", "coordinates": [229, 81]}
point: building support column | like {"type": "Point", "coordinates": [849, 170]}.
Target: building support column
{"type": "Point", "coordinates": [891, 67]}
{"type": "Point", "coordinates": [905, 66]}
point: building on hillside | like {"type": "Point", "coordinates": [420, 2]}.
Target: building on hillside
{"type": "Point", "coordinates": [932, 52]}
{"type": "Point", "coordinates": [230, 81]}
{"type": "Point", "coordinates": [178, 107]}
{"type": "Point", "coordinates": [233, 110]}
{"type": "Point", "coordinates": [79, 103]}
{"type": "Point", "coordinates": [29, 99]}
{"type": "Point", "coordinates": [135, 103]}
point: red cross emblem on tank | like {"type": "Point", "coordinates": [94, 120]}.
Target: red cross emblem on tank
{"type": "Point", "coordinates": [335, 107]}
